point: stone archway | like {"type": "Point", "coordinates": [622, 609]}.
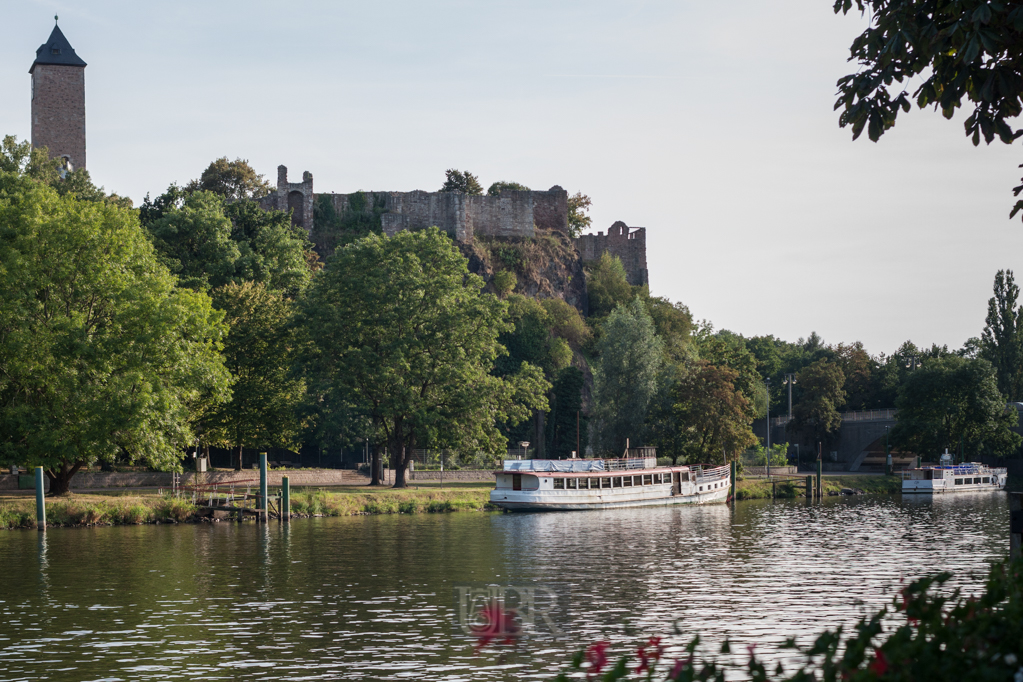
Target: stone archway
{"type": "Point", "coordinates": [296, 204]}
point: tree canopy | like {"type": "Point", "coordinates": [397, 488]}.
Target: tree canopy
{"type": "Point", "coordinates": [578, 221]}
{"type": "Point", "coordinates": [956, 50]}
{"type": "Point", "coordinates": [607, 285]}
{"type": "Point", "coordinates": [951, 402]}
{"type": "Point", "coordinates": [461, 181]}
{"type": "Point", "coordinates": [1001, 343]}
{"type": "Point", "coordinates": [101, 356]}
{"type": "Point", "coordinates": [625, 377]}
{"type": "Point", "coordinates": [232, 180]}
{"type": "Point", "coordinates": [398, 330]}
{"type": "Point", "coordinates": [496, 188]}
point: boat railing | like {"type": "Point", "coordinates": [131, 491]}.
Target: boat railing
{"type": "Point", "coordinates": [960, 470]}
{"type": "Point", "coordinates": [627, 463]}
{"type": "Point", "coordinates": [714, 474]}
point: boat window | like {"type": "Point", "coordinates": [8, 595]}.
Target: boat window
{"type": "Point", "coordinates": [701, 488]}
{"type": "Point", "coordinates": [617, 482]}
{"type": "Point", "coordinates": [627, 481]}
{"type": "Point", "coordinates": [648, 479]}
{"type": "Point", "coordinates": [605, 483]}
{"type": "Point", "coordinates": [684, 475]}
{"type": "Point", "coordinates": [959, 481]}
{"type": "Point", "coordinates": [559, 484]}
{"type": "Point", "coordinates": [987, 479]}
{"type": "Point", "coordinates": [516, 481]}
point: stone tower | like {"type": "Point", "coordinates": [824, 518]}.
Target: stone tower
{"type": "Point", "coordinates": [58, 100]}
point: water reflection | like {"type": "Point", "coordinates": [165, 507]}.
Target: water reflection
{"type": "Point", "coordinates": [371, 597]}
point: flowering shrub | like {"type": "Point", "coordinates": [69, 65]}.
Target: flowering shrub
{"type": "Point", "coordinates": [922, 637]}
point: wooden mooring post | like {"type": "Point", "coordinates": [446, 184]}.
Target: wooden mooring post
{"type": "Point", "coordinates": [820, 481]}
{"type": "Point", "coordinates": [1015, 524]}
{"type": "Point", "coordinates": [809, 487]}
{"type": "Point", "coordinates": [264, 498]}
{"type": "Point", "coordinates": [285, 499]}
{"type": "Point", "coordinates": [40, 499]}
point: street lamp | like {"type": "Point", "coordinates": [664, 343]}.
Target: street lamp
{"type": "Point", "coordinates": [913, 361]}
{"type": "Point", "coordinates": [767, 459]}
{"type": "Point", "coordinates": [790, 379]}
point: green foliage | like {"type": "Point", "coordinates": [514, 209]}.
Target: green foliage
{"type": "Point", "coordinates": [674, 324]}
{"type": "Point", "coordinates": [566, 322]}
{"type": "Point", "coordinates": [565, 421]}
{"type": "Point", "coordinates": [498, 187]}
{"type": "Point", "coordinates": [22, 159]}
{"type": "Point", "coordinates": [578, 221]}
{"type": "Point", "coordinates": [816, 415]}
{"type": "Point", "coordinates": [504, 282]}
{"type": "Point", "coordinates": [956, 50]}
{"type": "Point", "coordinates": [625, 377]}
{"type": "Point", "coordinates": [607, 285]}
{"type": "Point", "coordinates": [259, 352]}
{"type": "Point", "coordinates": [757, 455]}
{"type": "Point", "coordinates": [725, 349]}
{"type": "Point", "coordinates": [461, 181]}
{"type": "Point", "coordinates": [333, 230]}
{"type": "Point", "coordinates": [100, 355]}
{"type": "Point", "coordinates": [233, 180]}
{"type": "Point", "coordinates": [397, 329]}
{"type": "Point", "coordinates": [530, 340]}
{"type": "Point", "coordinates": [208, 243]}
{"type": "Point", "coordinates": [1001, 344]}
{"type": "Point", "coordinates": [700, 415]}
{"type": "Point", "coordinates": [195, 243]}
{"type": "Point", "coordinates": [951, 401]}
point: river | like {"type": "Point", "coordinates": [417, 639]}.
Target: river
{"type": "Point", "coordinates": [374, 597]}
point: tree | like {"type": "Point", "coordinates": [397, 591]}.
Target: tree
{"type": "Point", "coordinates": [704, 416]}
{"type": "Point", "coordinates": [674, 324]}
{"type": "Point", "coordinates": [461, 181]}
{"type": "Point", "coordinates": [498, 187]}
{"type": "Point", "coordinates": [1001, 343]}
{"type": "Point", "coordinates": [816, 414]}
{"type": "Point", "coordinates": [578, 221]}
{"type": "Point", "coordinates": [566, 430]}
{"type": "Point", "coordinates": [232, 180]}
{"type": "Point", "coordinates": [194, 241]}
{"type": "Point", "coordinates": [101, 357]}
{"type": "Point", "coordinates": [397, 328]}
{"type": "Point", "coordinates": [607, 285]}
{"type": "Point", "coordinates": [259, 352]}
{"type": "Point", "coordinates": [566, 322]}
{"type": "Point", "coordinates": [625, 377]}
{"type": "Point", "coordinates": [959, 49]}
{"type": "Point", "coordinates": [952, 401]}
{"type": "Point", "coordinates": [22, 158]}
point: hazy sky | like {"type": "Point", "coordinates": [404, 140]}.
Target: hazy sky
{"type": "Point", "coordinates": [709, 124]}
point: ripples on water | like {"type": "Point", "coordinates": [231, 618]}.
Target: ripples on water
{"type": "Point", "coordinates": [371, 597]}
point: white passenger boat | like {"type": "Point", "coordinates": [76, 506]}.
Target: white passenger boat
{"type": "Point", "coordinates": [576, 484]}
{"type": "Point", "coordinates": [949, 478]}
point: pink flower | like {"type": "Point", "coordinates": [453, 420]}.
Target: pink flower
{"type": "Point", "coordinates": [596, 657]}
{"type": "Point", "coordinates": [649, 653]}
{"type": "Point", "coordinates": [879, 666]}
{"type": "Point", "coordinates": [499, 625]}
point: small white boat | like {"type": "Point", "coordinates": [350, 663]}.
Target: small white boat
{"type": "Point", "coordinates": [949, 478]}
{"type": "Point", "coordinates": [576, 484]}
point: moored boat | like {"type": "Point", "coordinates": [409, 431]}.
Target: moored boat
{"type": "Point", "coordinates": [577, 484]}
{"type": "Point", "coordinates": [953, 478]}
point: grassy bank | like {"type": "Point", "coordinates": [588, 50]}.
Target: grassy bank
{"type": "Point", "coordinates": [110, 510]}
{"type": "Point", "coordinates": [758, 489]}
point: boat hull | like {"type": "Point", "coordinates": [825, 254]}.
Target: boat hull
{"type": "Point", "coordinates": [605, 502]}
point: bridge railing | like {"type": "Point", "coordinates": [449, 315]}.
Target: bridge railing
{"type": "Point", "coordinates": [869, 415]}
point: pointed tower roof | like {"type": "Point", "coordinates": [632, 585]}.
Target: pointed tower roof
{"type": "Point", "coordinates": [57, 50]}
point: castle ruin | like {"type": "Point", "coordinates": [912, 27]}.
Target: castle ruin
{"type": "Point", "coordinates": [515, 214]}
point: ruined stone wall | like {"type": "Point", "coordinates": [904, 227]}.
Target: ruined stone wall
{"type": "Point", "coordinates": [296, 197]}
{"type": "Point", "coordinates": [58, 111]}
{"type": "Point", "coordinates": [510, 214]}
{"type": "Point", "coordinates": [629, 244]}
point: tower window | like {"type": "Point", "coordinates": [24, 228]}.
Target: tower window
{"type": "Point", "coordinates": [55, 50]}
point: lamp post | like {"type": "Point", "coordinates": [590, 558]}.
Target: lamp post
{"type": "Point", "coordinates": [767, 459]}
{"type": "Point", "coordinates": [790, 379]}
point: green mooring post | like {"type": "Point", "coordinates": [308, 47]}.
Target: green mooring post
{"type": "Point", "coordinates": [264, 500]}
{"type": "Point", "coordinates": [809, 487]}
{"type": "Point", "coordinates": [40, 499]}
{"type": "Point", "coordinates": [285, 499]}
{"type": "Point", "coordinates": [820, 482]}
{"type": "Point", "coordinates": [734, 477]}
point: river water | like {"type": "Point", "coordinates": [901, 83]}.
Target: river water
{"type": "Point", "coordinates": [374, 597]}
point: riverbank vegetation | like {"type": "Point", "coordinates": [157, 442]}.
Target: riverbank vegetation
{"type": "Point", "coordinates": [762, 489]}
{"type": "Point", "coordinates": [126, 510]}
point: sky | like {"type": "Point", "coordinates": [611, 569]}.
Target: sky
{"type": "Point", "coordinates": [709, 124]}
